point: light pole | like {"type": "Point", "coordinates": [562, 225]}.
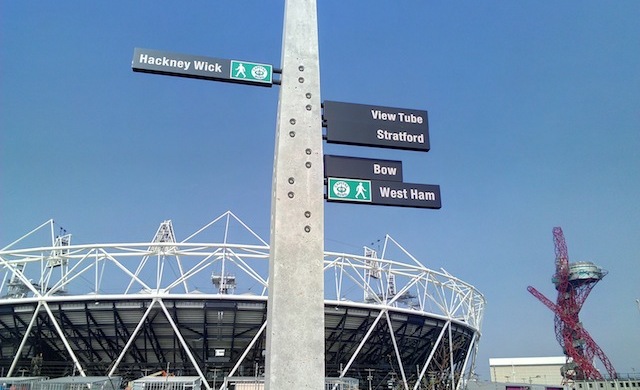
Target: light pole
{"type": "Point", "coordinates": [370, 377]}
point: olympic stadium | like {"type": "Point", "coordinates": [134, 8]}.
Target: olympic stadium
{"type": "Point", "coordinates": [196, 306]}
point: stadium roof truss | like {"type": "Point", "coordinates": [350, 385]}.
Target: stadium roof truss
{"type": "Point", "coordinates": [109, 308]}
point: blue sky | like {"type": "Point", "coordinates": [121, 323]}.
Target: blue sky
{"type": "Point", "coordinates": [534, 114]}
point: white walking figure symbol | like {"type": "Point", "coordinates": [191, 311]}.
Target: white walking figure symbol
{"type": "Point", "coordinates": [360, 191]}
{"type": "Point", "coordinates": [240, 69]}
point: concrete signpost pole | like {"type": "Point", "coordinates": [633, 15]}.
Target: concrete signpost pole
{"type": "Point", "coordinates": [295, 315]}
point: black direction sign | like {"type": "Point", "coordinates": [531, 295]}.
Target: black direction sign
{"type": "Point", "coordinates": [383, 193]}
{"type": "Point", "coordinates": [362, 168]}
{"type": "Point", "coordinates": [208, 68]}
{"type": "Point", "coordinates": [386, 127]}
{"type": "Point", "coordinates": [389, 193]}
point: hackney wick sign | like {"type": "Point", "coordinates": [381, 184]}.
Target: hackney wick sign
{"type": "Point", "coordinates": [386, 127]}
{"type": "Point", "coordinates": [208, 68]}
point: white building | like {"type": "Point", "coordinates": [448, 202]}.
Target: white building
{"type": "Point", "coordinates": [529, 370]}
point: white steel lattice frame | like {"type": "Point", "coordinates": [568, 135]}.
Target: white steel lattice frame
{"type": "Point", "coordinates": [165, 268]}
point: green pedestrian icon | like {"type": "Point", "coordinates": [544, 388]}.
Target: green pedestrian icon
{"type": "Point", "coordinates": [240, 70]}
{"type": "Point", "coordinates": [251, 72]}
{"type": "Point", "coordinates": [348, 190]}
{"type": "Point", "coordinates": [360, 191]}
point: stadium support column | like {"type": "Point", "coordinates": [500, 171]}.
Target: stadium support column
{"type": "Point", "coordinates": [295, 315]}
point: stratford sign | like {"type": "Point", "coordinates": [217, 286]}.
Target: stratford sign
{"type": "Point", "coordinates": [385, 127]}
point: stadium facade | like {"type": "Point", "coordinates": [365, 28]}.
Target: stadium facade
{"type": "Point", "coordinates": [197, 307]}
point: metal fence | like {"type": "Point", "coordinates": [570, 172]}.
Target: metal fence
{"type": "Point", "coordinates": [168, 383]}
{"type": "Point", "coordinates": [341, 384]}
{"type": "Point", "coordinates": [20, 382]}
{"type": "Point", "coordinates": [257, 383]}
{"type": "Point", "coordinates": [243, 383]}
{"type": "Point", "coordinates": [80, 383]}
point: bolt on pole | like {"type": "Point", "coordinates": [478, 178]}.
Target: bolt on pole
{"type": "Point", "coordinates": [295, 312]}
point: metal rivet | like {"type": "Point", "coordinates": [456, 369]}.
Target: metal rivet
{"type": "Point", "coordinates": [301, 68]}
{"type": "Point", "coordinates": [307, 164]}
{"type": "Point", "coordinates": [307, 214]}
{"type": "Point", "coordinates": [301, 79]}
{"type": "Point", "coordinates": [292, 121]}
{"type": "Point", "coordinates": [307, 151]}
{"type": "Point", "coordinates": [291, 180]}
{"type": "Point", "coordinates": [292, 134]}
{"type": "Point", "coordinates": [307, 228]}
{"type": "Point", "coordinates": [291, 194]}
{"type": "Point", "coordinates": [308, 95]}
{"type": "Point", "coordinates": [308, 107]}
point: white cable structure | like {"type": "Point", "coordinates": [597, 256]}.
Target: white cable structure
{"type": "Point", "coordinates": [198, 306]}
